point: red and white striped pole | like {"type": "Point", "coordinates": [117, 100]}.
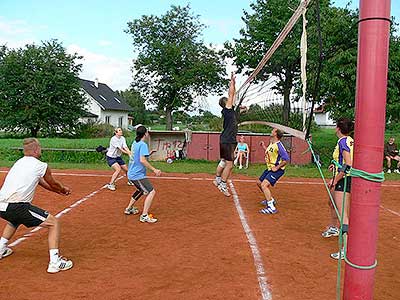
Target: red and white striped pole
{"type": "Point", "coordinates": [372, 69]}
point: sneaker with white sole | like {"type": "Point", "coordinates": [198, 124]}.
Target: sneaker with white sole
{"type": "Point", "coordinates": [62, 264]}
{"type": "Point", "coordinates": [397, 171]}
{"type": "Point", "coordinates": [131, 211]}
{"type": "Point", "coordinates": [265, 202]}
{"type": "Point", "coordinates": [269, 210]}
{"type": "Point", "coordinates": [224, 190]}
{"type": "Point", "coordinates": [336, 254]}
{"type": "Point", "coordinates": [216, 182]}
{"type": "Point", "coordinates": [130, 183]}
{"type": "Point", "coordinates": [331, 231]}
{"type": "Point", "coordinates": [6, 252]}
{"type": "Point", "coordinates": [389, 171]}
{"type": "Point", "coordinates": [111, 186]}
{"type": "Point", "coordinates": [147, 219]}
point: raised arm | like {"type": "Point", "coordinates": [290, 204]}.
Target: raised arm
{"type": "Point", "coordinates": [231, 93]}
{"type": "Point", "coordinates": [49, 183]}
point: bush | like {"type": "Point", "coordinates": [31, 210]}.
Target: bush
{"type": "Point", "coordinates": [96, 130]}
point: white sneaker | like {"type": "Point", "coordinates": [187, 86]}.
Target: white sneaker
{"type": "Point", "coordinates": [397, 171]}
{"type": "Point", "coordinates": [240, 167]}
{"type": "Point", "coordinates": [62, 264]}
{"type": "Point", "coordinates": [216, 182]}
{"type": "Point", "coordinates": [331, 231]}
{"type": "Point", "coordinates": [389, 171]}
{"type": "Point", "coordinates": [147, 219]}
{"type": "Point", "coordinates": [224, 190]}
{"type": "Point", "coordinates": [336, 254]}
{"type": "Point", "coordinates": [111, 186]}
{"type": "Point", "coordinates": [6, 252]}
{"type": "Point", "coordinates": [131, 211]}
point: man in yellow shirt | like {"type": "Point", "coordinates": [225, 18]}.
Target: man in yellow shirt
{"type": "Point", "coordinates": [276, 158]}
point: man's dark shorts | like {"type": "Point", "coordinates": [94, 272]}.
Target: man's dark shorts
{"type": "Point", "coordinates": [227, 151]}
{"type": "Point", "coordinates": [340, 185]}
{"type": "Point", "coordinates": [24, 213]}
{"type": "Point", "coordinates": [113, 160]}
{"type": "Point", "coordinates": [144, 185]}
{"type": "Point", "coordinates": [272, 177]}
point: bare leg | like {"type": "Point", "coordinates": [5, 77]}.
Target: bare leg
{"type": "Point", "coordinates": [9, 231]}
{"type": "Point", "coordinates": [227, 170]}
{"type": "Point", "coordinates": [388, 160]}
{"type": "Point", "coordinates": [54, 231]}
{"type": "Point", "coordinates": [240, 158]}
{"type": "Point", "coordinates": [116, 167]}
{"type": "Point", "coordinates": [148, 201]}
{"type": "Point", "coordinates": [265, 188]}
{"type": "Point", "coordinates": [125, 169]}
{"type": "Point", "coordinates": [339, 201]}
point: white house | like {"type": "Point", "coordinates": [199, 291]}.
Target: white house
{"type": "Point", "coordinates": [104, 105]}
{"type": "Point", "coordinates": [322, 117]}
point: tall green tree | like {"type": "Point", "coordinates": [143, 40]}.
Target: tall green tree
{"type": "Point", "coordinates": [173, 65]}
{"type": "Point", "coordinates": [40, 89]}
{"type": "Point", "coordinates": [136, 101]}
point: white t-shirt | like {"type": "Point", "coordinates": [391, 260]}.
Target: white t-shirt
{"type": "Point", "coordinates": [116, 144]}
{"type": "Point", "coordinates": [21, 180]}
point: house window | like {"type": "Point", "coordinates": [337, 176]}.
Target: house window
{"type": "Point", "coordinates": [108, 119]}
{"type": "Point", "coordinates": [120, 120]}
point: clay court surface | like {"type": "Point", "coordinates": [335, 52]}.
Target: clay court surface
{"type": "Point", "coordinates": [199, 248]}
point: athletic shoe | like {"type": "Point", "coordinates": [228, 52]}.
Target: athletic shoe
{"type": "Point", "coordinates": [147, 219]}
{"type": "Point", "coordinates": [331, 231]}
{"type": "Point", "coordinates": [269, 210]}
{"type": "Point", "coordinates": [131, 211]}
{"type": "Point", "coordinates": [240, 167]}
{"type": "Point", "coordinates": [265, 202]}
{"type": "Point", "coordinates": [216, 182]}
{"type": "Point", "coordinates": [336, 254]}
{"type": "Point", "coordinates": [397, 171]}
{"type": "Point", "coordinates": [130, 183]}
{"type": "Point", "coordinates": [111, 186]}
{"type": "Point", "coordinates": [224, 190]}
{"type": "Point", "coordinates": [6, 252]}
{"type": "Point", "coordinates": [62, 264]}
{"type": "Point", "coordinates": [389, 171]}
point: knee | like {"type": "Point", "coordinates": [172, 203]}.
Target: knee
{"type": "Point", "coordinates": [152, 193]}
{"type": "Point", "coordinates": [52, 221]}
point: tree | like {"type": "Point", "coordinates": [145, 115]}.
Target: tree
{"type": "Point", "coordinates": [136, 101]}
{"type": "Point", "coordinates": [40, 89]}
{"type": "Point", "coordinates": [173, 65]}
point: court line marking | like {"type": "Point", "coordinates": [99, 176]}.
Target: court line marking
{"type": "Point", "coordinates": [389, 210]}
{"type": "Point", "coordinates": [63, 212]}
{"type": "Point", "coordinates": [261, 275]}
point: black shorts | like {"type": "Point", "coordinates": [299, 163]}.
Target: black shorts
{"type": "Point", "coordinates": [24, 213]}
{"type": "Point", "coordinates": [144, 185]}
{"type": "Point", "coordinates": [113, 160]}
{"type": "Point", "coordinates": [227, 151]}
{"type": "Point", "coordinates": [340, 185]}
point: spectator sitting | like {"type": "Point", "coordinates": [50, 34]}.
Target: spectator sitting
{"type": "Point", "coordinates": [241, 152]}
{"type": "Point", "coordinates": [392, 153]}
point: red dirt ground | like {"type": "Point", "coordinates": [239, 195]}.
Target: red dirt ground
{"type": "Point", "coordinates": [197, 250]}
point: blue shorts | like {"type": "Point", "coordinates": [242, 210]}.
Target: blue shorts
{"type": "Point", "coordinates": [272, 177]}
{"type": "Point", "coordinates": [113, 160]}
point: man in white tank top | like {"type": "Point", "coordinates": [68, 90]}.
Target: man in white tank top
{"type": "Point", "coordinates": [16, 196]}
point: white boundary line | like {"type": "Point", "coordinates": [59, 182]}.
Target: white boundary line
{"type": "Point", "coordinates": [63, 212]}
{"type": "Point", "coordinates": [389, 210]}
{"type": "Point", "coordinates": [262, 278]}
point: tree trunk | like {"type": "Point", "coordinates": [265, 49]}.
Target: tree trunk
{"type": "Point", "coordinates": [168, 118]}
{"type": "Point", "coordinates": [34, 131]}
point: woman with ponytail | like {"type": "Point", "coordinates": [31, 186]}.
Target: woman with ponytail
{"type": "Point", "coordinates": [137, 175]}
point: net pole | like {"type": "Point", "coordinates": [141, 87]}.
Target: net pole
{"type": "Point", "coordinates": [303, 64]}
{"type": "Point", "coordinates": [372, 69]}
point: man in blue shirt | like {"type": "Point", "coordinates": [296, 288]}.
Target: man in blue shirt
{"type": "Point", "coordinates": [137, 174]}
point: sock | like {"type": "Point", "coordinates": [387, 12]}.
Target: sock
{"type": "Point", "coordinates": [218, 178]}
{"type": "Point", "coordinates": [271, 203]}
{"type": "Point", "coordinates": [3, 243]}
{"type": "Point", "coordinates": [53, 255]}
